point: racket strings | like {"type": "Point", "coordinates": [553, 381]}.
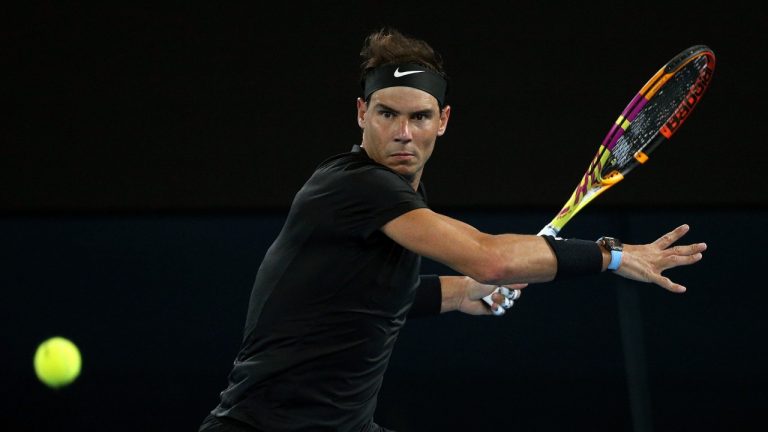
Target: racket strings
{"type": "Point", "coordinates": [645, 127]}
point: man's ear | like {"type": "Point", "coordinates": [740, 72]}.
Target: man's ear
{"type": "Point", "coordinates": [361, 111]}
{"type": "Point", "coordinates": [445, 114]}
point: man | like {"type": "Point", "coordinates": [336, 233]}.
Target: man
{"type": "Point", "coordinates": [335, 287]}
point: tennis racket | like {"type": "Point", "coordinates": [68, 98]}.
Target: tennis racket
{"type": "Point", "coordinates": [651, 118]}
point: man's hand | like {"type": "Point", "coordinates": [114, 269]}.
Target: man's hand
{"type": "Point", "coordinates": [468, 297]}
{"type": "Point", "coordinates": [645, 263]}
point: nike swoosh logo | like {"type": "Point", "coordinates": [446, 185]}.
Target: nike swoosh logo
{"type": "Point", "coordinates": [399, 74]}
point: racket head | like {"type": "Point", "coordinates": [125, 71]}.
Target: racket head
{"type": "Point", "coordinates": [653, 115]}
{"type": "Point", "coordinates": [656, 113]}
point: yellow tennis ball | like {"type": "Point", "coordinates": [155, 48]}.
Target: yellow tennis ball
{"type": "Point", "coordinates": [57, 362]}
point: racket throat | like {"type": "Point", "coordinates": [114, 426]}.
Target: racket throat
{"type": "Point", "coordinates": [612, 177]}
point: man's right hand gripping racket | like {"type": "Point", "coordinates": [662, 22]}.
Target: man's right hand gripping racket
{"type": "Point", "coordinates": [650, 119]}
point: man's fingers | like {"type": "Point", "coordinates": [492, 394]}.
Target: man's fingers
{"type": "Point", "coordinates": [667, 284]}
{"type": "Point", "coordinates": [671, 237]}
{"type": "Point", "coordinates": [505, 301]}
{"type": "Point", "coordinates": [689, 249]}
{"type": "Point", "coordinates": [497, 310]}
{"type": "Point", "coordinates": [512, 294]}
{"type": "Point", "coordinates": [680, 260]}
{"type": "Point", "coordinates": [683, 255]}
{"type": "Point", "coordinates": [675, 287]}
{"type": "Point", "coordinates": [504, 298]}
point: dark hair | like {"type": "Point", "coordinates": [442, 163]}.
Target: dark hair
{"type": "Point", "coordinates": [389, 46]}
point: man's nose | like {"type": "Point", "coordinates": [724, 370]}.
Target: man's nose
{"type": "Point", "coordinates": [404, 130]}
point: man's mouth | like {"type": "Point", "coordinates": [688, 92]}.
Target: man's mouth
{"type": "Point", "coordinates": [402, 155]}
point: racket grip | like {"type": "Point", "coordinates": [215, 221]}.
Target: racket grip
{"type": "Point", "coordinates": [549, 230]}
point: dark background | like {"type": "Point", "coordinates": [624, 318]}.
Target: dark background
{"type": "Point", "coordinates": [149, 154]}
{"type": "Point", "coordinates": [230, 107]}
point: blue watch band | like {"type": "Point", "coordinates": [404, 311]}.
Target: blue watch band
{"type": "Point", "coordinates": [615, 260]}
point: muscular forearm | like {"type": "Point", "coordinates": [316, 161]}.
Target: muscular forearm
{"type": "Point", "coordinates": [522, 258]}
{"type": "Point", "coordinates": [505, 258]}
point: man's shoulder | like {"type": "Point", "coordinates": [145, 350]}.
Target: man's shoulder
{"type": "Point", "coordinates": [339, 160]}
{"type": "Point", "coordinates": [348, 163]}
{"type": "Point", "coordinates": [356, 170]}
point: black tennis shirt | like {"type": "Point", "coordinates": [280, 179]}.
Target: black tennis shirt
{"type": "Point", "coordinates": [327, 304]}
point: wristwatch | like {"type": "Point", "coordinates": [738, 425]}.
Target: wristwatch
{"type": "Point", "coordinates": [616, 247]}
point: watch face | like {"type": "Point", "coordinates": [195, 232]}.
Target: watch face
{"type": "Point", "coordinates": [611, 243]}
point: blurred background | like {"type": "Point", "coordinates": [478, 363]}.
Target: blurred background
{"type": "Point", "coordinates": [150, 153]}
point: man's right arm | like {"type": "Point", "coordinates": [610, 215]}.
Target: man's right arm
{"type": "Point", "coordinates": [514, 258]}
{"type": "Point", "coordinates": [490, 259]}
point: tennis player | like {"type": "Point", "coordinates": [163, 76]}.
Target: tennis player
{"type": "Point", "coordinates": [336, 286]}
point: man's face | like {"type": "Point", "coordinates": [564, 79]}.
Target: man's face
{"type": "Point", "coordinates": [400, 126]}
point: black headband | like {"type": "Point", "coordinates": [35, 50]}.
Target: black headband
{"type": "Point", "coordinates": [409, 75]}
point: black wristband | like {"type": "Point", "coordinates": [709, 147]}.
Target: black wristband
{"type": "Point", "coordinates": [575, 257]}
{"type": "Point", "coordinates": [429, 297]}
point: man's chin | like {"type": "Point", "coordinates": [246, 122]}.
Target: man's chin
{"type": "Point", "coordinates": [406, 172]}
{"type": "Point", "coordinates": [403, 170]}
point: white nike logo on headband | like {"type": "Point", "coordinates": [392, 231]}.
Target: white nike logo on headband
{"type": "Point", "coordinates": [399, 74]}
